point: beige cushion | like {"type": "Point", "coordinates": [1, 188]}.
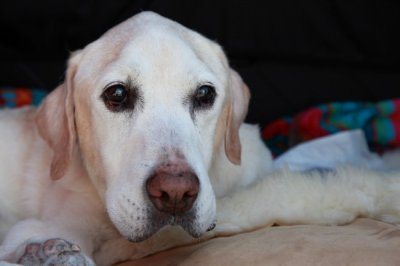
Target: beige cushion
{"type": "Point", "coordinates": [364, 242]}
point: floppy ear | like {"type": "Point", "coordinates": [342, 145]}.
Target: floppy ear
{"type": "Point", "coordinates": [237, 111]}
{"type": "Point", "coordinates": [56, 125]}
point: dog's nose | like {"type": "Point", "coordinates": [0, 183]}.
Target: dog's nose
{"type": "Point", "coordinates": [173, 188]}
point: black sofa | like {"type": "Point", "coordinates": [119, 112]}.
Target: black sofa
{"type": "Point", "coordinates": [292, 54]}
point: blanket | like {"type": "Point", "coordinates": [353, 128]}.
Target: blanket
{"type": "Point", "coordinates": [380, 122]}
{"type": "Point", "coordinates": [364, 242]}
{"type": "Point", "coordinates": [18, 97]}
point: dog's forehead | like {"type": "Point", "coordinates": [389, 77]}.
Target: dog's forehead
{"type": "Point", "coordinates": [152, 46]}
{"type": "Point", "coordinates": [158, 50]}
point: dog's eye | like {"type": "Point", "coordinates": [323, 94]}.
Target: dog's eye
{"type": "Point", "coordinates": [115, 97]}
{"type": "Point", "coordinates": [204, 97]}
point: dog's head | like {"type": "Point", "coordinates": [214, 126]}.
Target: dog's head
{"type": "Point", "coordinates": [146, 107]}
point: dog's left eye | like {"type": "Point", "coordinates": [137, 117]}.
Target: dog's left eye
{"type": "Point", "coordinates": [115, 97]}
{"type": "Point", "coordinates": [204, 97]}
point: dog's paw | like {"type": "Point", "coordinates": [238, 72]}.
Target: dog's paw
{"type": "Point", "coordinates": [54, 252]}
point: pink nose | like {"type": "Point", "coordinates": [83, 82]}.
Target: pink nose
{"type": "Point", "coordinates": [173, 188]}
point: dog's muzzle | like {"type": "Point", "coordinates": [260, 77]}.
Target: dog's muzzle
{"type": "Point", "coordinates": [172, 190]}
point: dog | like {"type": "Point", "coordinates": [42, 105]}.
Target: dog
{"type": "Point", "coordinates": [144, 147]}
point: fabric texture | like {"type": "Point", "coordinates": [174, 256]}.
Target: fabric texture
{"type": "Point", "coordinates": [18, 97]}
{"type": "Point", "coordinates": [362, 243]}
{"type": "Point", "coordinates": [380, 122]}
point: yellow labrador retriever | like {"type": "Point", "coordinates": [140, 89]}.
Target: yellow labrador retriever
{"type": "Point", "coordinates": [143, 147]}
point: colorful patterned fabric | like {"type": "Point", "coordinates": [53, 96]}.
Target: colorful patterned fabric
{"type": "Point", "coordinates": [17, 97]}
{"type": "Point", "coordinates": [380, 122]}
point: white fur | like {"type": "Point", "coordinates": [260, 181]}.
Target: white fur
{"type": "Point", "coordinates": [312, 198]}
{"type": "Point", "coordinates": [92, 204]}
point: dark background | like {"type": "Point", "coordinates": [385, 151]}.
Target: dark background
{"type": "Point", "coordinates": [293, 54]}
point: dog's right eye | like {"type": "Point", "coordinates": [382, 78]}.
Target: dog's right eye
{"type": "Point", "coordinates": [115, 97]}
{"type": "Point", "coordinates": [204, 97]}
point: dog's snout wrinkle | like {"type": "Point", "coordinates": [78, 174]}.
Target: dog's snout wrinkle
{"type": "Point", "coordinates": [173, 188]}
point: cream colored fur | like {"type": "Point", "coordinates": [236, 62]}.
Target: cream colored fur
{"type": "Point", "coordinates": [70, 168]}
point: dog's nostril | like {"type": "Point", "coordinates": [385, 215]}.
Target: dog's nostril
{"type": "Point", "coordinates": [164, 196]}
{"type": "Point", "coordinates": [173, 193]}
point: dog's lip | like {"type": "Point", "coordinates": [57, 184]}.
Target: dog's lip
{"type": "Point", "coordinates": [158, 220]}
{"type": "Point", "coordinates": [212, 226]}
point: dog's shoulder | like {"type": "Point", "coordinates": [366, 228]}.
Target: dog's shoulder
{"type": "Point", "coordinates": [255, 163]}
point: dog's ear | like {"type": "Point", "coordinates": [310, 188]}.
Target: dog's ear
{"type": "Point", "coordinates": [56, 124]}
{"type": "Point", "coordinates": [237, 111]}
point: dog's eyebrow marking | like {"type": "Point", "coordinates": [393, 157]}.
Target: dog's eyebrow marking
{"type": "Point", "coordinates": [136, 100]}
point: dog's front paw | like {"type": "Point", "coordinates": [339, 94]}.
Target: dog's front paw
{"type": "Point", "coordinates": [54, 252]}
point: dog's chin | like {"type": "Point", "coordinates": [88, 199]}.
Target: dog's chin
{"type": "Point", "coordinates": [158, 220]}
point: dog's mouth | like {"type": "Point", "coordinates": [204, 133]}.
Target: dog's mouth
{"type": "Point", "coordinates": [157, 220]}
{"type": "Point", "coordinates": [139, 221]}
